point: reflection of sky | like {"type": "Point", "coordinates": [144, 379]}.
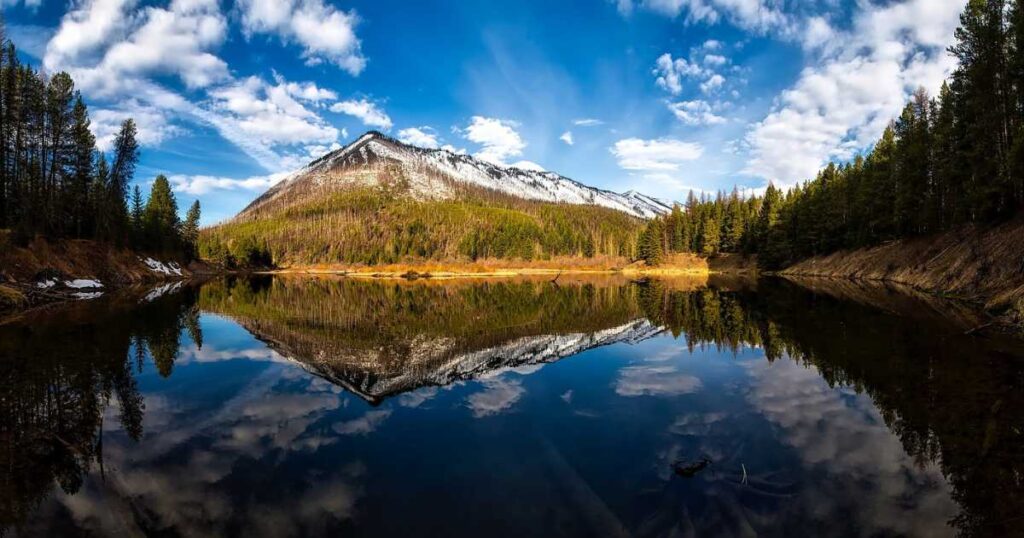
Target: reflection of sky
{"type": "Point", "coordinates": [238, 439]}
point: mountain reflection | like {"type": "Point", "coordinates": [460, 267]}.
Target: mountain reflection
{"type": "Point", "coordinates": [382, 338]}
{"type": "Point", "coordinates": [952, 403]}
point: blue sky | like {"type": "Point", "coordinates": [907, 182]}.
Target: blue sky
{"type": "Point", "coordinates": [660, 96]}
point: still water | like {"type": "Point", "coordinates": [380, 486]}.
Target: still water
{"type": "Point", "coordinates": [592, 407]}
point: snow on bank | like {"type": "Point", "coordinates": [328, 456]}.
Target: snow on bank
{"type": "Point", "coordinates": [160, 291]}
{"type": "Point", "coordinates": [46, 284]}
{"type": "Point", "coordinates": [157, 266]}
{"type": "Point", "coordinates": [83, 284]}
{"type": "Point", "coordinates": [85, 296]}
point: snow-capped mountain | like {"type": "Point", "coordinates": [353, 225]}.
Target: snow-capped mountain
{"type": "Point", "coordinates": [436, 174]}
{"type": "Point", "coordinates": [434, 362]}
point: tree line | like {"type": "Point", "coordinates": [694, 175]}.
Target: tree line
{"type": "Point", "coordinates": [54, 182]}
{"type": "Point", "coordinates": [948, 160]}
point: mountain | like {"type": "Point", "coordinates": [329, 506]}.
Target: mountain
{"type": "Point", "coordinates": [379, 201]}
{"type": "Point", "coordinates": [432, 174]}
{"type": "Point", "coordinates": [429, 334]}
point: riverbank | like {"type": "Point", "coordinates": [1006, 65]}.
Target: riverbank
{"type": "Point", "coordinates": [675, 265]}
{"type": "Point", "coordinates": [45, 272]}
{"type": "Point", "coordinates": [977, 264]}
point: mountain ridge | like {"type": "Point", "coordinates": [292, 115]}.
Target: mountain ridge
{"type": "Point", "coordinates": [431, 173]}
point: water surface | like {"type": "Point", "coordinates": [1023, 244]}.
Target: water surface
{"type": "Point", "coordinates": [583, 407]}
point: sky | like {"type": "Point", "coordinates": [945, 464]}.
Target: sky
{"type": "Point", "coordinates": [658, 96]}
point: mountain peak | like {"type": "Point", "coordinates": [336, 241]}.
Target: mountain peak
{"type": "Point", "coordinates": [431, 173]}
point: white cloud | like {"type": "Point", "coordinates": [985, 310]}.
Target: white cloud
{"type": "Point", "coordinates": [696, 112]}
{"type": "Point", "coordinates": [269, 114]}
{"type": "Point", "coordinates": [423, 137]}
{"type": "Point", "coordinates": [713, 83]}
{"type": "Point", "coordinates": [202, 184]}
{"type": "Point", "coordinates": [172, 41]}
{"type": "Point", "coordinates": [305, 91]}
{"type": "Point", "coordinates": [663, 154]}
{"type": "Point", "coordinates": [864, 78]}
{"type": "Point", "coordinates": [367, 112]}
{"type": "Point", "coordinates": [84, 29]}
{"type": "Point", "coordinates": [528, 165]}
{"type": "Point", "coordinates": [154, 124]}
{"type": "Point", "coordinates": [716, 60]}
{"type": "Point", "coordinates": [671, 73]}
{"type": "Point", "coordinates": [655, 381]}
{"type": "Point", "coordinates": [363, 425]}
{"type": "Point", "coordinates": [754, 15]}
{"type": "Point", "coordinates": [587, 122]}
{"type": "Point", "coordinates": [567, 138]}
{"type": "Point", "coordinates": [498, 396]}
{"type": "Point", "coordinates": [324, 32]}
{"type": "Point", "coordinates": [498, 138]}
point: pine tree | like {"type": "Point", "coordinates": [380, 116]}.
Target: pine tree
{"type": "Point", "coordinates": [81, 170]}
{"type": "Point", "coordinates": [711, 233]}
{"type": "Point", "coordinates": [190, 233]}
{"type": "Point", "coordinates": [162, 226]}
{"type": "Point", "coordinates": [122, 169]}
{"type": "Point", "coordinates": [138, 232]}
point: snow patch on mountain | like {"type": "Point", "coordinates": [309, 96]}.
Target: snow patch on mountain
{"type": "Point", "coordinates": [430, 173]}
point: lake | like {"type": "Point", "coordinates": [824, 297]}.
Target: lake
{"type": "Point", "coordinates": [583, 406]}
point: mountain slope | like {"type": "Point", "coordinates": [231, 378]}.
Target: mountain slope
{"type": "Point", "coordinates": [379, 202]}
{"type": "Point", "coordinates": [434, 174]}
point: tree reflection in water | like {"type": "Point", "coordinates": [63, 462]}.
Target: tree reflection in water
{"type": "Point", "coordinates": [952, 400]}
{"type": "Point", "coordinates": [59, 373]}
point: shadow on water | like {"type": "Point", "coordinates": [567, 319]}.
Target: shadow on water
{"type": "Point", "coordinates": [952, 400]}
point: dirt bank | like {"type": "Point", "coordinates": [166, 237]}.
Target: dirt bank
{"type": "Point", "coordinates": [48, 271]}
{"type": "Point", "coordinates": [983, 265]}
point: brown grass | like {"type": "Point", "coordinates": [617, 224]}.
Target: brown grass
{"type": "Point", "coordinates": [675, 265]}
{"type": "Point", "coordinates": [979, 264]}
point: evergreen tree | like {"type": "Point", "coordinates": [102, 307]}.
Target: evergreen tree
{"type": "Point", "coordinates": [190, 233]}
{"type": "Point", "coordinates": [160, 218]}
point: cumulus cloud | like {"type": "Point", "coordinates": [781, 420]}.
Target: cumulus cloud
{"type": "Point", "coordinates": [663, 154]}
{"type": "Point", "coordinates": [363, 425]}
{"type": "Point", "coordinates": [842, 104]}
{"type": "Point", "coordinates": [755, 15]}
{"type": "Point", "coordinates": [567, 138]}
{"type": "Point", "coordinates": [424, 137]}
{"type": "Point", "coordinates": [696, 112]}
{"type": "Point", "coordinates": [172, 41]}
{"type": "Point", "coordinates": [116, 49]}
{"type": "Point", "coordinates": [499, 139]}
{"type": "Point", "coordinates": [268, 113]}
{"type": "Point", "coordinates": [671, 73]}
{"type": "Point", "coordinates": [655, 381]}
{"type": "Point", "coordinates": [197, 185]}
{"type": "Point", "coordinates": [154, 124]}
{"type": "Point", "coordinates": [367, 111]}
{"type": "Point", "coordinates": [324, 32]}
{"type": "Point", "coordinates": [498, 396]}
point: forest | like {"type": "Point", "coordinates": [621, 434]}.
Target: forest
{"type": "Point", "coordinates": [382, 225]}
{"type": "Point", "coordinates": [56, 184]}
{"type": "Point", "coordinates": [946, 161]}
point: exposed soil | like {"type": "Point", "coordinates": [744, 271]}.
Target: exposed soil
{"type": "Point", "coordinates": [982, 265]}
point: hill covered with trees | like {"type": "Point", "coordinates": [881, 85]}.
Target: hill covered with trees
{"type": "Point", "coordinates": [947, 161]}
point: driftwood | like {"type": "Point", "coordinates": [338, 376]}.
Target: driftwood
{"type": "Point", "coordinates": [690, 469]}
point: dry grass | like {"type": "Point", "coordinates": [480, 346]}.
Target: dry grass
{"type": "Point", "coordinates": [11, 298]}
{"type": "Point", "coordinates": [675, 265]}
{"type": "Point", "coordinates": [979, 264]}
